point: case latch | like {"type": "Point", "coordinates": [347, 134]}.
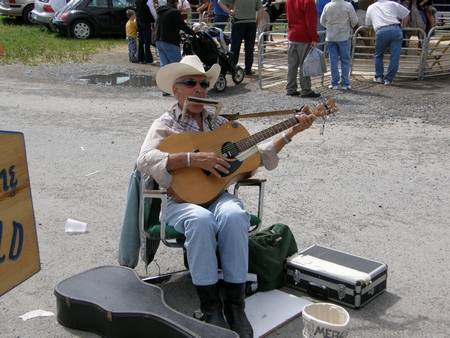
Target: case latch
{"type": "Point", "coordinates": [341, 291]}
{"type": "Point", "coordinates": [297, 277]}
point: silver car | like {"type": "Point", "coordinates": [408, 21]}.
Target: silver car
{"type": "Point", "coordinates": [45, 9]}
{"type": "Point", "coordinates": [19, 8]}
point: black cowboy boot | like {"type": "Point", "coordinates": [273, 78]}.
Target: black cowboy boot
{"type": "Point", "coordinates": [234, 305]}
{"type": "Point", "coordinates": [211, 305]}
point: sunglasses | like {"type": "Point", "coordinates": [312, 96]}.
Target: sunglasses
{"type": "Point", "coordinates": [191, 83]}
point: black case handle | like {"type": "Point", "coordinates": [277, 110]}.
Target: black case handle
{"type": "Point", "coordinates": [318, 290]}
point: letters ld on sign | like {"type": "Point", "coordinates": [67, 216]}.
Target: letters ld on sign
{"type": "Point", "coordinates": [19, 253]}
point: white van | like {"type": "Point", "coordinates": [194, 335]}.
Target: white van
{"type": "Point", "coordinates": [45, 9]}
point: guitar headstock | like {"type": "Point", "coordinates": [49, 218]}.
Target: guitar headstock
{"type": "Point", "coordinates": [324, 108]}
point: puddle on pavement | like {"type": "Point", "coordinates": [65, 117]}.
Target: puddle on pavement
{"type": "Point", "coordinates": [121, 79]}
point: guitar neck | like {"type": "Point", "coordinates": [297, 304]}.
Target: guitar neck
{"type": "Point", "coordinates": [254, 139]}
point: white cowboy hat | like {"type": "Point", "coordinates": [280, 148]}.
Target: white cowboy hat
{"type": "Point", "coordinates": [189, 65]}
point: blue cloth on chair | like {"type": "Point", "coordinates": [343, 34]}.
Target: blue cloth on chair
{"type": "Point", "coordinates": [132, 237]}
{"type": "Point", "coordinates": [129, 243]}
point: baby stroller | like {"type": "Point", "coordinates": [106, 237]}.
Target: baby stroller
{"type": "Point", "coordinates": [211, 46]}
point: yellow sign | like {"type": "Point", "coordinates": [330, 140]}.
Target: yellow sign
{"type": "Point", "coordinates": [19, 253]}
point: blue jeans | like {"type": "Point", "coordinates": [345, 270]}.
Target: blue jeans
{"type": "Point", "coordinates": [243, 31]}
{"type": "Point", "coordinates": [392, 38]}
{"type": "Point", "coordinates": [220, 21]}
{"type": "Point", "coordinates": [339, 50]}
{"type": "Point", "coordinates": [194, 15]}
{"type": "Point", "coordinates": [132, 48]}
{"type": "Point", "coordinates": [168, 53]}
{"type": "Point", "coordinates": [224, 226]}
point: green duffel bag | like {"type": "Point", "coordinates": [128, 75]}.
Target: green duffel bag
{"type": "Point", "coordinates": [268, 250]}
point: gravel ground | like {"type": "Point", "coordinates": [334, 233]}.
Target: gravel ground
{"type": "Point", "coordinates": [376, 184]}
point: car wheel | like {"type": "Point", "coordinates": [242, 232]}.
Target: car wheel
{"type": "Point", "coordinates": [220, 84]}
{"type": "Point", "coordinates": [27, 16]}
{"type": "Point", "coordinates": [82, 30]}
{"type": "Point", "coordinates": [238, 75]}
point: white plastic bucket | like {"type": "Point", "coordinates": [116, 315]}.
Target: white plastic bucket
{"type": "Point", "coordinates": [322, 320]}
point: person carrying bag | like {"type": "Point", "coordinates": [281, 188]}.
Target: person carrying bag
{"type": "Point", "coordinates": [315, 63]}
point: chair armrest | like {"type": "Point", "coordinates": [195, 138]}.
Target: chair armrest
{"type": "Point", "coordinates": [156, 193]}
{"type": "Point", "coordinates": [162, 195]}
{"type": "Point", "coordinates": [250, 182]}
{"type": "Point", "coordinates": [253, 182]}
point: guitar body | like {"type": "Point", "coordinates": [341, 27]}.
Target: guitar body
{"type": "Point", "coordinates": [194, 184]}
{"type": "Point", "coordinates": [114, 302]}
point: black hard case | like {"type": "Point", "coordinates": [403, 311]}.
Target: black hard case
{"type": "Point", "coordinates": [114, 302]}
{"type": "Point", "coordinates": [328, 287]}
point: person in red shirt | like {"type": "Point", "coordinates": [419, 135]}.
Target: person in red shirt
{"type": "Point", "coordinates": [301, 16]}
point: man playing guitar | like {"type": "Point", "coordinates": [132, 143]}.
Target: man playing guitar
{"type": "Point", "coordinates": [221, 223]}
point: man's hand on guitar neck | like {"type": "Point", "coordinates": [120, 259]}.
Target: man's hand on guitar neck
{"type": "Point", "coordinates": [305, 120]}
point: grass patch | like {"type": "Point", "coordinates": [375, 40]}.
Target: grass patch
{"type": "Point", "coordinates": [35, 45]}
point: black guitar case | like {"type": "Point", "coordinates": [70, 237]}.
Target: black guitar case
{"type": "Point", "coordinates": [113, 301]}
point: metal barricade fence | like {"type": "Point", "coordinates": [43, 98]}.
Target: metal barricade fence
{"type": "Point", "coordinates": [424, 56]}
{"type": "Point", "coordinates": [272, 56]}
{"type": "Point", "coordinates": [363, 49]}
{"type": "Point", "coordinates": [436, 53]}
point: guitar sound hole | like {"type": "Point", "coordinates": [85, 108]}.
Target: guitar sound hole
{"type": "Point", "coordinates": [229, 150]}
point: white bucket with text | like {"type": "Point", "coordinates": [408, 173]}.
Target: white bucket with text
{"type": "Point", "coordinates": [321, 320]}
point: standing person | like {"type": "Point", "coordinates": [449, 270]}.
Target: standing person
{"type": "Point", "coordinates": [222, 225]}
{"type": "Point", "coordinates": [169, 23]}
{"type": "Point", "coordinates": [338, 17]}
{"type": "Point", "coordinates": [244, 28]}
{"type": "Point", "coordinates": [219, 16]}
{"type": "Point", "coordinates": [320, 5]}
{"type": "Point", "coordinates": [384, 16]}
{"type": "Point", "coordinates": [301, 16]}
{"type": "Point", "coordinates": [184, 7]}
{"type": "Point", "coordinates": [426, 6]}
{"type": "Point", "coordinates": [131, 32]}
{"type": "Point", "coordinates": [197, 8]}
{"type": "Point", "coordinates": [202, 8]}
{"type": "Point", "coordinates": [194, 6]}
{"type": "Point", "coordinates": [145, 17]}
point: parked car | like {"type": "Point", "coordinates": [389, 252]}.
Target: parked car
{"type": "Point", "coordinates": [44, 10]}
{"type": "Point", "coordinates": [83, 19]}
{"type": "Point", "coordinates": [19, 8]}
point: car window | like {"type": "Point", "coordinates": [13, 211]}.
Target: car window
{"type": "Point", "coordinates": [119, 4]}
{"type": "Point", "coordinates": [74, 3]}
{"type": "Point", "coordinates": [98, 4]}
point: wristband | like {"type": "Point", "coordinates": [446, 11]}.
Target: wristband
{"type": "Point", "coordinates": [188, 159]}
{"type": "Point", "coordinates": [285, 138]}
